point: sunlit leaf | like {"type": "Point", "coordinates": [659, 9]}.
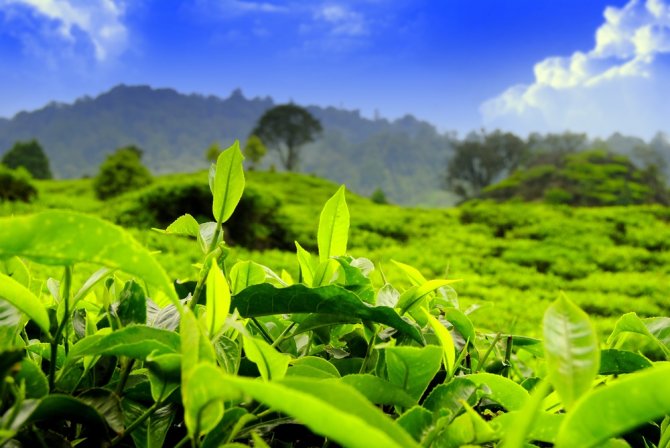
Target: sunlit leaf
{"type": "Point", "coordinates": [333, 226]}
{"type": "Point", "coordinates": [228, 183]}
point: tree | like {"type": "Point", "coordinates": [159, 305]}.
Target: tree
{"type": "Point", "coordinates": [212, 153]}
{"type": "Point", "coordinates": [285, 129]}
{"type": "Point", "coordinates": [254, 150]}
{"type": "Point", "coordinates": [122, 171]}
{"type": "Point", "coordinates": [31, 156]}
{"type": "Point", "coordinates": [480, 160]}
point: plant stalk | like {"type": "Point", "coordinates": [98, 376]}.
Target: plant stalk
{"type": "Point", "coordinates": [67, 282]}
{"type": "Point", "coordinates": [137, 422]}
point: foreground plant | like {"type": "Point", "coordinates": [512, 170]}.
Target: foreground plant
{"type": "Point", "coordinates": [245, 356]}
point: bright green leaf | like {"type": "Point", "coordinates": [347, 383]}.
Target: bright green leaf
{"type": "Point", "coordinates": [228, 183]}
{"type": "Point", "coordinates": [503, 391]}
{"type": "Point", "coordinates": [305, 263]}
{"type": "Point", "coordinates": [64, 238]}
{"type": "Point", "coordinates": [24, 300]}
{"type": "Point", "coordinates": [333, 226]}
{"type": "Point", "coordinates": [217, 300]}
{"type": "Point", "coordinates": [616, 408]}
{"type": "Point", "coordinates": [244, 274]}
{"type": "Point", "coordinates": [271, 364]}
{"type": "Point", "coordinates": [446, 341]}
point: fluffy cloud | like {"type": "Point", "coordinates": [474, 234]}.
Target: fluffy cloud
{"type": "Point", "coordinates": [98, 21]}
{"type": "Point", "coordinates": [616, 86]}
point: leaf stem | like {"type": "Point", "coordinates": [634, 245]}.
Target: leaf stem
{"type": "Point", "coordinates": [213, 253]}
{"type": "Point", "coordinates": [283, 336]}
{"type": "Point", "coordinates": [125, 374]}
{"type": "Point", "coordinates": [262, 330]}
{"type": "Point", "coordinates": [488, 352]}
{"type": "Point", "coordinates": [67, 281]}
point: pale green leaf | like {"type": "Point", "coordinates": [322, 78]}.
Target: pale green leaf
{"type": "Point", "coordinates": [571, 350]}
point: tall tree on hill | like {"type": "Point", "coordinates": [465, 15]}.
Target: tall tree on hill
{"type": "Point", "coordinates": [285, 129]}
{"type": "Point", "coordinates": [31, 156]}
{"type": "Point", "coordinates": [478, 162]}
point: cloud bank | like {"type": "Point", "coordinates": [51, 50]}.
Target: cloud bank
{"type": "Point", "coordinates": [622, 84]}
{"type": "Point", "coordinates": [98, 22]}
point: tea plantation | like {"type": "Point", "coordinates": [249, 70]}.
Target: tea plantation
{"type": "Point", "coordinates": [307, 316]}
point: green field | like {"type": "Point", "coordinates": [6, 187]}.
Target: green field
{"type": "Point", "coordinates": [513, 259]}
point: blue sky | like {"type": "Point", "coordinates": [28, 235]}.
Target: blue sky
{"type": "Point", "coordinates": [526, 65]}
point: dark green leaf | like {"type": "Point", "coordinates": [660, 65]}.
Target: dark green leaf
{"type": "Point", "coordinates": [35, 381]}
{"type": "Point", "coordinates": [355, 281]}
{"type": "Point", "coordinates": [413, 368]}
{"type": "Point", "coordinates": [132, 307]}
{"type": "Point", "coordinates": [265, 299]}
{"type": "Point", "coordinates": [448, 399]}
{"type": "Point", "coordinates": [228, 354]}
{"type": "Point", "coordinates": [416, 421]}
{"type": "Point", "coordinates": [151, 433]}
{"type": "Point", "coordinates": [222, 431]}
{"type": "Point", "coordinates": [618, 362]}
{"type": "Point", "coordinates": [108, 405]}
{"type": "Point", "coordinates": [378, 391]}
{"type": "Point", "coordinates": [135, 341]}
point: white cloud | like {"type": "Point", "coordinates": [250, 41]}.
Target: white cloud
{"type": "Point", "coordinates": [99, 21]}
{"type": "Point", "coordinates": [342, 20]}
{"type": "Point", "coordinates": [613, 87]}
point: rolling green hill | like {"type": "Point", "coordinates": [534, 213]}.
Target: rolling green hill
{"type": "Point", "coordinates": [510, 257]}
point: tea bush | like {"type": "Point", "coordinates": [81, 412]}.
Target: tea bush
{"type": "Point", "coordinates": [16, 185]}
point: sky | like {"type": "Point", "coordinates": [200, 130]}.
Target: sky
{"type": "Point", "coordinates": [595, 66]}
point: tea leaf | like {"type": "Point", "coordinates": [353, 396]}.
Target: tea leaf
{"type": "Point", "coordinates": [379, 391]}
{"type": "Point", "coordinates": [617, 408]}
{"type": "Point", "coordinates": [185, 225]}
{"type": "Point", "coordinates": [24, 300]}
{"type": "Point", "coordinates": [265, 300]}
{"type": "Point", "coordinates": [657, 329]}
{"type": "Point", "coordinates": [617, 362]}
{"type": "Point", "coordinates": [503, 391]}
{"type": "Point", "coordinates": [446, 341]}
{"type": "Point", "coordinates": [412, 368]}
{"type": "Point", "coordinates": [152, 432]}
{"type": "Point", "coordinates": [228, 183]}
{"type": "Point", "coordinates": [64, 238]}
{"type": "Point", "coordinates": [305, 263]}
{"type": "Point", "coordinates": [336, 411]}
{"type": "Point", "coordinates": [333, 226]}
{"type": "Point", "coordinates": [244, 274]}
{"type": "Point", "coordinates": [571, 350]}
{"type": "Point", "coordinates": [271, 364]}
{"type": "Point", "coordinates": [217, 300]}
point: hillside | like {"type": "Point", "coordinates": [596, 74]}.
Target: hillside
{"type": "Point", "coordinates": [610, 260]}
{"type": "Point", "coordinates": [405, 157]}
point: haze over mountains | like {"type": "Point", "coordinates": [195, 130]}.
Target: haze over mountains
{"type": "Point", "coordinates": [405, 157]}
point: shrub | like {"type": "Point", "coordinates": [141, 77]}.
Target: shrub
{"type": "Point", "coordinates": [122, 171]}
{"type": "Point", "coordinates": [255, 224]}
{"type": "Point", "coordinates": [16, 185]}
{"type": "Point", "coordinates": [31, 156]}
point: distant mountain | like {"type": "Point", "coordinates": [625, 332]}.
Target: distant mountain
{"type": "Point", "coordinates": [405, 157]}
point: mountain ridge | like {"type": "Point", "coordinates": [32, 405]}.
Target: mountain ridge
{"type": "Point", "coordinates": [405, 157]}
